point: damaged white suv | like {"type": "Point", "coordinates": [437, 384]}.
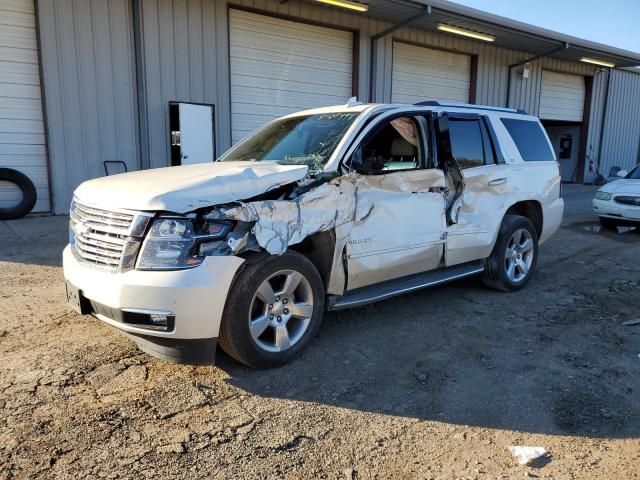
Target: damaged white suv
{"type": "Point", "coordinates": [319, 210]}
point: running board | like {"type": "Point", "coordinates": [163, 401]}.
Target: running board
{"type": "Point", "coordinates": [398, 286]}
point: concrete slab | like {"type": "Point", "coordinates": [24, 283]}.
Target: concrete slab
{"type": "Point", "coordinates": [30, 226]}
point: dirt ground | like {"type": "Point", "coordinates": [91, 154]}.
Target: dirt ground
{"type": "Point", "coordinates": [434, 384]}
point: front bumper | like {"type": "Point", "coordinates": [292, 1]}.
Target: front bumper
{"type": "Point", "coordinates": [196, 298]}
{"type": "Point", "coordinates": [611, 209]}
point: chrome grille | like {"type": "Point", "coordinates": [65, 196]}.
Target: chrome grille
{"type": "Point", "coordinates": [628, 200]}
{"type": "Point", "coordinates": [106, 238]}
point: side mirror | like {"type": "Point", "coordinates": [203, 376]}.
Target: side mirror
{"type": "Point", "coordinates": [622, 173]}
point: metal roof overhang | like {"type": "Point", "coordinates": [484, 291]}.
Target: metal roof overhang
{"type": "Point", "coordinates": [508, 33]}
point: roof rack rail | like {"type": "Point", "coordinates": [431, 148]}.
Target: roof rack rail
{"type": "Point", "coordinates": [435, 103]}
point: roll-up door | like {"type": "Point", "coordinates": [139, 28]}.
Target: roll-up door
{"type": "Point", "coordinates": [421, 73]}
{"type": "Point", "coordinates": [22, 142]}
{"type": "Point", "coordinates": [561, 96]}
{"type": "Point", "coordinates": [281, 66]}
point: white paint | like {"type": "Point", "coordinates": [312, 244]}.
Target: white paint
{"type": "Point", "coordinates": [279, 67]}
{"type": "Point", "coordinates": [22, 142]}
{"type": "Point", "coordinates": [561, 96]}
{"type": "Point", "coordinates": [421, 73]}
{"type": "Point", "coordinates": [185, 188]}
{"type": "Point", "coordinates": [610, 208]}
{"type": "Point", "coordinates": [196, 133]}
{"type": "Point", "coordinates": [196, 296]}
{"type": "Point", "coordinates": [403, 234]}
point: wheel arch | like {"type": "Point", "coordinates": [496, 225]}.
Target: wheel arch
{"type": "Point", "coordinates": [531, 209]}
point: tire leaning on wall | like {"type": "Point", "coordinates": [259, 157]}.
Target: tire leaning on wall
{"type": "Point", "coordinates": [29, 195]}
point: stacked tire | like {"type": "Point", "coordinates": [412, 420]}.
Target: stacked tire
{"type": "Point", "coordinates": [29, 195]}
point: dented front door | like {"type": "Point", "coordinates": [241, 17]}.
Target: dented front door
{"type": "Point", "coordinates": [404, 232]}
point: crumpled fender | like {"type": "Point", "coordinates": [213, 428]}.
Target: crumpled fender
{"type": "Point", "coordinates": [282, 223]}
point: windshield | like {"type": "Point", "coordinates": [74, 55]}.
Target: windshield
{"type": "Point", "coordinates": [634, 174]}
{"type": "Point", "coordinates": [307, 140]}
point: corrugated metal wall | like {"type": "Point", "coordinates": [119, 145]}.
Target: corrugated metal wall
{"type": "Point", "coordinates": [597, 109]}
{"type": "Point", "coordinates": [186, 45]}
{"type": "Point", "coordinates": [89, 66]}
{"type": "Point", "coordinates": [183, 61]}
{"type": "Point", "coordinates": [22, 142]}
{"type": "Point", "coordinates": [621, 140]}
{"type": "Point", "coordinates": [89, 80]}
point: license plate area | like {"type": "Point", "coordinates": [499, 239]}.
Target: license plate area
{"type": "Point", "coordinates": [76, 300]}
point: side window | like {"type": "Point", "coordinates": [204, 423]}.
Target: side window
{"type": "Point", "coordinates": [530, 140]}
{"type": "Point", "coordinates": [396, 146]}
{"type": "Point", "coordinates": [467, 142]}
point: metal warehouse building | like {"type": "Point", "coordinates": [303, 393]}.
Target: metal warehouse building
{"type": "Point", "coordinates": [133, 82]}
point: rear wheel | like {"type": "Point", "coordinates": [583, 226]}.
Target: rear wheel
{"type": "Point", "coordinates": [273, 311]}
{"type": "Point", "coordinates": [514, 255]}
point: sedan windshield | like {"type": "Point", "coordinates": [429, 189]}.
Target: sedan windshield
{"type": "Point", "coordinates": [634, 174]}
{"type": "Point", "coordinates": [306, 140]}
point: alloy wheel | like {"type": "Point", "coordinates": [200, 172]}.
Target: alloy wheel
{"type": "Point", "coordinates": [281, 311]}
{"type": "Point", "coordinates": [519, 255]}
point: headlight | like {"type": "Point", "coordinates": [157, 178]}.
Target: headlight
{"type": "Point", "coordinates": [172, 243]}
{"type": "Point", "coordinates": [603, 195]}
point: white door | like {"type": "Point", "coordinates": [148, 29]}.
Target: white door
{"type": "Point", "coordinates": [22, 143]}
{"type": "Point", "coordinates": [421, 73]}
{"type": "Point", "coordinates": [561, 97]}
{"type": "Point", "coordinates": [404, 232]}
{"type": "Point", "coordinates": [280, 66]}
{"type": "Point", "coordinates": [196, 133]}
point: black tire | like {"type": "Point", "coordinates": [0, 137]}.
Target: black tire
{"type": "Point", "coordinates": [29, 195]}
{"type": "Point", "coordinates": [495, 274]}
{"type": "Point", "coordinates": [235, 337]}
{"type": "Point", "coordinates": [608, 223]}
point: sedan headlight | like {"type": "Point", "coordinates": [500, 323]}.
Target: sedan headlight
{"type": "Point", "coordinates": [172, 243]}
{"type": "Point", "coordinates": [603, 195]}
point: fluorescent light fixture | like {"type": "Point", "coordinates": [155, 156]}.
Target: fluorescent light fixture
{"type": "Point", "coordinates": [593, 61]}
{"type": "Point", "coordinates": [465, 33]}
{"type": "Point", "coordinates": [358, 7]}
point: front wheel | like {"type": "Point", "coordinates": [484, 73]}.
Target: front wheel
{"type": "Point", "coordinates": [274, 309]}
{"type": "Point", "coordinates": [514, 255]}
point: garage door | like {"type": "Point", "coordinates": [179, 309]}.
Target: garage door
{"type": "Point", "coordinates": [425, 74]}
{"type": "Point", "coordinates": [279, 66]}
{"type": "Point", "coordinates": [561, 97]}
{"type": "Point", "coordinates": [21, 126]}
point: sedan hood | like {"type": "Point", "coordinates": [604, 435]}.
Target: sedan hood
{"type": "Point", "coordinates": [622, 185]}
{"type": "Point", "coordinates": [186, 188]}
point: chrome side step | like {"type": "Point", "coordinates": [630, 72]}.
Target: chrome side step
{"type": "Point", "coordinates": [398, 286]}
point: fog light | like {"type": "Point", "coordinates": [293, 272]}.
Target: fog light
{"type": "Point", "coordinates": [159, 320]}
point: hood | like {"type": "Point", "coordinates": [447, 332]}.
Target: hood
{"type": "Point", "coordinates": [186, 188]}
{"type": "Point", "coordinates": [622, 186]}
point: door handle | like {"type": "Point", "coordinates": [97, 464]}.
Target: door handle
{"type": "Point", "coordinates": [497, 181]}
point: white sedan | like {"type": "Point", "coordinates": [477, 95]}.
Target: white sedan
{"type": "Point", "coordinates": [618, 203]}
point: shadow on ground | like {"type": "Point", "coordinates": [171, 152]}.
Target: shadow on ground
{"type": "Point", "coordinates": [550, 359]}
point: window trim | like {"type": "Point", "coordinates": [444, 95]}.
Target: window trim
{"type": "Point", "coordinates": [379, 125]}
{"type": "Point", "coordinates": [484, 135]}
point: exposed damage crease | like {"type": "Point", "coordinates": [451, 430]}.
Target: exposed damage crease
{"type": "Point", "coordinates": [279, 224]}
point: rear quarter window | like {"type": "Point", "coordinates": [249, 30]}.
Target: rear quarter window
{"type": "Point", "coordinates": [530, 139]}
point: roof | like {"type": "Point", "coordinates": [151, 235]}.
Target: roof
{"type": "Point", "coordinates": [508, 33]}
